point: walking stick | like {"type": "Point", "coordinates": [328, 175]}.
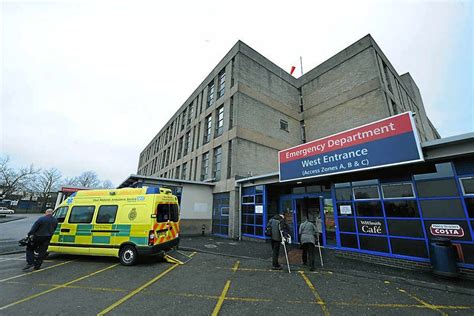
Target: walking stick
{"type": "Point", "coordinates": [284, 248]}
{"type": "Point", "coordinates": [319, 247]}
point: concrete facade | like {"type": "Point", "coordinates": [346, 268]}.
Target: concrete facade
{"type": "Point", "coordinates": [265, 110]}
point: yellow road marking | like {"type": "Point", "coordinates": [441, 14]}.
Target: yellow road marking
{"type": "Point", "coordinates": [56, 287]}
{"type": "Point", "coordinates": [236, 266]}
{"type": "Point", "coordinates": [221, 299]}
{"type": "Point", "coordinates": [105, 289]}
{"type": "Point", "coordinates": [315, 293]}
{"type": "Point", "coordinates": [35, 271]}
{"type": "Point", "coordinates": [139, 289]}
{"type": "Point", "coordinates": [432, 307]}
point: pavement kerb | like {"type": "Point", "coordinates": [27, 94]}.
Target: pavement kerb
{"type": "Point", "coordinates": [370, 275]}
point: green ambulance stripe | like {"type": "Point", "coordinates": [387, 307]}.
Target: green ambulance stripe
{"type": "Point", "coordinates": [101, 240]}
{"type": "Point", "coordinates": [139, 240]}
{"type": "Point", "coordinates": [67, 238]}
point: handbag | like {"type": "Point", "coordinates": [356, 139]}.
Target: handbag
{"type": "Point", "coordinates": [268, 230]}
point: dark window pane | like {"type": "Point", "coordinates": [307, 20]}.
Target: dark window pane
{"type": "Point", "coordinates": [298, 190]}
{"type": "Point", "coordinates": [259, 198]}
{"type": "Point", "coordinates": [437, 188]}
{"type": "Point", "coordinates": [248, 208]}
{"type": "Point", "coordinates": [409, 247]}
{"type": "Point", "coordinates": [349, 241]}
{"type": "Point", "coordinates": [462, 224]}
{"type": "Point", "coordinates": [364, 182]}
{"type": "Point", "coordinates": [397, 190]}
{"type": "Point", "coordinates": [259, 189]}
{"type": "Point", "coordinates": [443, 170]}
{"type": "Point", "coordinates": [371, 226]}
{"type": "Point", "coordinates": [313, 189]}
{"type": "Point", "coordinates": [379, 244]}
{"type": "Point", "coordinates": [344, 194]}
{"type": "Point", "coordinates": [106, 214]}
{"type": "Point", "coordinates": [464, 166]}
{"type": "Point", "coordinates": [407, 228]}
{"type": "Point", "coordinates": [347, 225]}
{"type": "Point", "coordinates": [224, 230]}
{"type": "Point", "coordinates": [366, 193]}
{"type": "Point", "coordinates": [468, 251]}
{"type": "Point", "coordinates": [259, 219]}
{"type": "Point", "coordinates": [248, 199]}
{"type": "Point", "coordinates": [371, 209]}
{"type": "Point", "coordinates": [258, 230]}
{"type": "Point", "coordinates": [468, 185]}
{"type": "Point", "coordinates": [442, 208]}
{"type": "Point", "coordinates": [81, 214]}
{"type": "Point", "coordinates": [402, 208]}
{"type": "Point", "coordinates": [470, 206]}
{"type": "Point", "coordinates": [249, 219]}
{"type": "Point", "coordinates": [342, 185]}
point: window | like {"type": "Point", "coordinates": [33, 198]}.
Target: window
{"type": "Point", "coordinates": [183, 119]}
{"type": "Point", "coordinates": [205, 166]}
{"type": "Point", "coordinates": [467, 185]}
{"type": "Point", "coordinates": [437, 208]}
{"type": "Point", "coordinates": [362, 193]}
{"type": "Point", "coordinates": [208, 130]}
{"type": "Point", "coordinates": [190, 113]}
{"type": "Point", "coordinates": [369, 209]}
{"type": "Point", "coordinates": [437, 188]}
{"type": "Point", "coordinates": [219, 121]}
{"type": "Point", "coordinates": [398, 190]}
{"type": "Point", "coordinates": [284, 125]}
{"type": "Point", "coordinates": [443, 170]}
{"type": "Point", "coordinates": [81, 214]}
{"type": "Point", "coordinates": [402, 208]}
{"type": "Point", "coordinates": [167, 212]}
{"type": "Point", "coordinates": [387, 78]}
{"type": "Point", "coordinates": [60, 214]}
{"type": "Point", "coordinates": [344, 194]}
{"type": "Point", "coordinates": [248, 199]}
{"type": "Point", "coordinates": [210, 94]}
{"type": "Point", "coordinates": [187, 141]}
{"type": "Point", "coordinates": [180, 147]}
{"type": "Point", "coordinates": [106, 214]}
{"type": "Point", "coordinates": [221, 84]}
{"type": "Point", "coordinates": [177, 175]}
{"type": "Point", "coordinates": [183, 172]}
{"type": "Point", "coordinates": [231, 112]}
{"type": "Point", "coordinates": [217, 163]}
{"type": "Point", "coordinates": [229, 160]}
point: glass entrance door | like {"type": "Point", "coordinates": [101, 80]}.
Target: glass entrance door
{"type": "Point", "coordinates": [307, 207]}
{"type": "Point", "coordinates": [329, 223]}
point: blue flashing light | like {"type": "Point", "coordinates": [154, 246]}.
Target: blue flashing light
{"type": "Point", "coordinates": [73, 195]}
{"type": "Point", "coordinates": [153, 190]}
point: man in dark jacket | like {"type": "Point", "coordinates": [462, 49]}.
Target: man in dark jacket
{"type": "Point", "coordinates": [278, 227]}
{"type": "Point", "coordinates": [41, 233]}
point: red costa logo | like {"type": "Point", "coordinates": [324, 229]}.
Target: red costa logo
{"type": "Point", "coordinates": [446, 230]}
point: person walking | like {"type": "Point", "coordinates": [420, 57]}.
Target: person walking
{"type": "Point", "coordinates": [40, 233]}
{"type": "Point", "coordinates": [308, 233]}
{"type": "Point", "coordinates": [277, 227]}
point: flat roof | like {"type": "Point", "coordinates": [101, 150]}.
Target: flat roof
{"type": "Point", "coordinates": [133, 178]}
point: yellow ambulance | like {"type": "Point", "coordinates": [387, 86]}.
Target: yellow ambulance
{"type": "Point", "coordinates": [124, 223]}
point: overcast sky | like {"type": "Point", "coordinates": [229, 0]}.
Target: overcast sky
{"type": "Point", "coordinates": [85, 85]}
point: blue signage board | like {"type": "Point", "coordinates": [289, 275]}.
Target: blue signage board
{"type": "Point", "coordinates": [388, 142]}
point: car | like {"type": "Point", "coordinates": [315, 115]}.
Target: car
{"type": "Point", "coordinates": [5, 210]}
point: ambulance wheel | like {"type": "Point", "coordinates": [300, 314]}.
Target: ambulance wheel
{"type": "Point", "coordinates": [128, 255]}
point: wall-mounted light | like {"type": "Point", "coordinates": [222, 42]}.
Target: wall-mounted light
{"type": "Point", "coordinates": [299, 182]}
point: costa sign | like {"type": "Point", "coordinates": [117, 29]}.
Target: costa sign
{"type": "Point", "coordinates": [446, 230]}
{"type": "Point", "coordinates": [388, 142]}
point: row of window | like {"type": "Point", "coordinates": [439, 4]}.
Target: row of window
{"type": "Point", "coordinates": [184, 119]}
{"type": "Point", "coordinates": [108, 213]}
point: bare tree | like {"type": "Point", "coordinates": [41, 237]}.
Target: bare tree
{"type": "Point", "coordinates": [46, 182]}
{"type": "Point", "coordinates": [88, 179]}
{"type": "Point", "coordinates": [12, 180]}
{"type": "Point", "coordinates": [107, 184]}
{"type": "Point", "coordinates": [70, 181]}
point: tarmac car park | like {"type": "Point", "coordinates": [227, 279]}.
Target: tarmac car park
{"type": "Point", "coordinates": [210, 284]}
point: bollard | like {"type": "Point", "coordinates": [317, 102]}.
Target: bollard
{"type": "Point", "coordinates": [203, 229]}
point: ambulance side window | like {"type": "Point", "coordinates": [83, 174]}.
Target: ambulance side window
{"type": "Point", "coordinates": [81, 214]}
{"type": "Point", "coordinates": [107, 214]}
{"type": "Point", "coordinates": [60, 214]}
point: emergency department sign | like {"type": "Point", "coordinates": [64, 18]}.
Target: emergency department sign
{"type": "Point", "coordinates": [388, 142]}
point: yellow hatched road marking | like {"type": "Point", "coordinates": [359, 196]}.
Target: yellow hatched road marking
{"type": "Point", "coordinates": [432, 307]}
{"type": "Point", "coordinates": [236, 266]}
{"type": "Point", "coordinates": [139, 289]}
{"type": "Point", "coordinates": [104, 289]}
{"type": "Point", "coordinates": [56, 287]}
{"type": "Point", "coordinates": [315, 293]}
{"type": "Point", "coordinates": [221, 299]}
{"type": "Point", "coordinates": [36, 271]}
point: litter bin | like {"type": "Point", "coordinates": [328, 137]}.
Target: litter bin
{"type": "Point", "coordinates": [443, 257]}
